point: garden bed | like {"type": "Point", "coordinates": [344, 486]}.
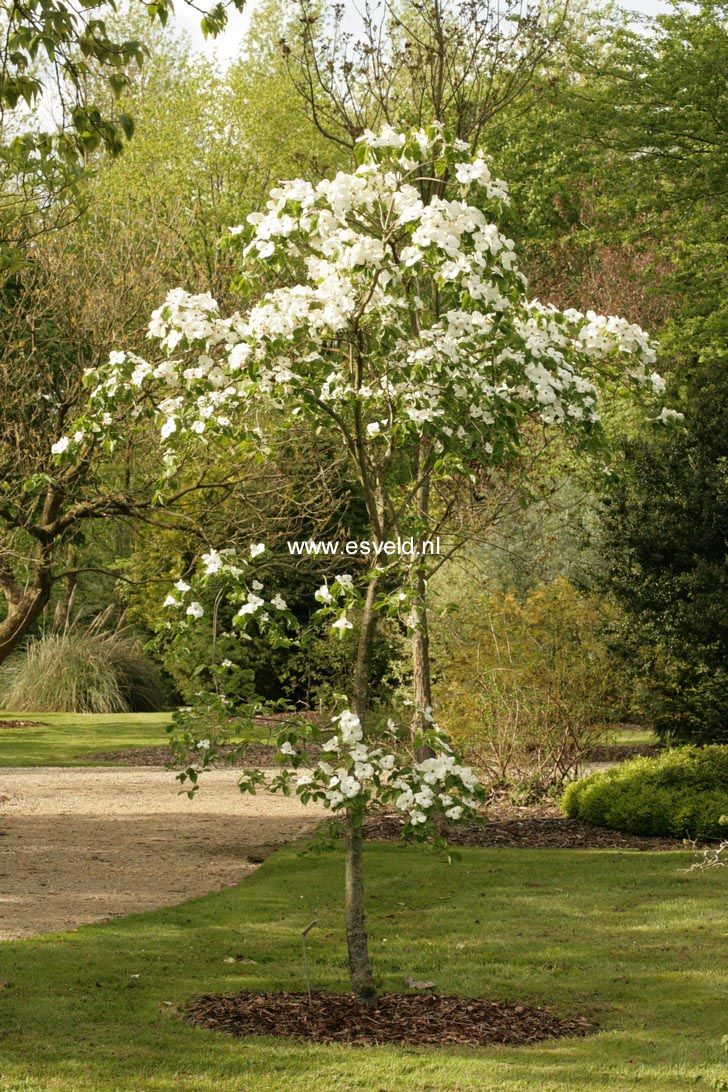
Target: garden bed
{"type": "Point", "coordinates": [255, 754]}
{"type": "Point", "coordinates": [412, 1019]}
{"type": "Point", "coordinates": [21, 723]}
{"type": "Point", "coordinates": [539, 827]}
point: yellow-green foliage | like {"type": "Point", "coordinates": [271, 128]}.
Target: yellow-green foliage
{"type": "Point", "coordinates": [524, 684]}
{"type": "Point", "coordinates": [683, 793]}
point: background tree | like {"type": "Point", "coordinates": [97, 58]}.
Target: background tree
{"type": "Point", "coordinates": [458, 62]}
{"type": "Point", "coordinates": [72, 62]}
{"type": "Point", "coordinates": [665, 121]}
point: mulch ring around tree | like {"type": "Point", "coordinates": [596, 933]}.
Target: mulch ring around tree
{"type": "Point", "coordinates": [414, 1019]}
{"type": "Point", "coordinates": [527, 831]}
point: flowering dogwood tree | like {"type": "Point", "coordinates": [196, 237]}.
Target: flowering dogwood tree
{"type": "Point", "coordinates": [402, 324]}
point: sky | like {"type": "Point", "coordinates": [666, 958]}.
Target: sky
{"type": "Point", "coordinates": [227, 44]}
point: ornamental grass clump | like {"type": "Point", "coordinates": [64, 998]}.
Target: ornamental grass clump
{"type": "Point", "coordinates": [681, 794]}
{"type": "Point", "coordinates": [83, 672]}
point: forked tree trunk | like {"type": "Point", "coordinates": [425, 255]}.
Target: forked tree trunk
{"type": "Point", "coordinates": [24, 607]}
{"type": "Point", "coordinates": [360, 968]}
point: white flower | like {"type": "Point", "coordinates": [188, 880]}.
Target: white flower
{"type": "Point", "coordinates": [350, 787]}
{"type": "Point", "coordinates": [182, 586]}
{"type": "Point", "coordinates": [256, 585]}
{"type": "Point", "coordinates": [323, 595]}
{"type": "Point", "coordinates": [195, 610]}
{"type": "Point", "coordinates": [345, 581]}
{"type": "Point", "coordinates": [342, 623]}
{"type": "Point", "coordinates": [213, 562]}
{"type": "Point", "coordinates": [454, 813]}
{"type": "Point", "coordinates": [170, 601]}
{"type": "Point", "coordinates": [226, 663]}
{"type": "Point", "coordinates": [60, 445]}
{"type": "Point", "coordinates": [279, 602]}
{"type": "Point", "coordinates": [169, 426]}
{"type": "Point", "coordinates": [203, 745]}
{"type": "Point", "coordinates": [404, 801]}
{"type": "Point", "coordinates": [669, 416]}
{"type": "Point", "coordinates": [256, 548]}
{"type": "Point", "coordinates": [253, 604]}
{"type": "Point", "coordinates": [287, 749]}
{"type": "Point", "coordinates": [350, 727]}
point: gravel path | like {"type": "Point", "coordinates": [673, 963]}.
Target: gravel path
{"type": "Point", "coordinates": [79, 845]}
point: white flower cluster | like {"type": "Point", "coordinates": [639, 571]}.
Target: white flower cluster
{"type": "Point", "coordinates": [356, 776]}
{"type": "Point", "coordinates": [224, 563]}
{"type": "Point", "coordinates": [338, 598]}
{"type": "Point", "coordinates": [357, 332]}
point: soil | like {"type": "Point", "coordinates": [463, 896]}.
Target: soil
{"type": "Point", "coordinates": [81, 845]}
{"type": "Point", "coordinates": [22, 723]}
{"type": "Point", "coordinates": [620, 752]}
{"type": "Point", "coordinates": [539, 827]}
{"type": "Point", "coordinates": [255, 754]}
{"type": "Point", "coordinates": [421, 1020]}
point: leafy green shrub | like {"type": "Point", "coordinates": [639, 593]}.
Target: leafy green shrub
{"type": "Point", "coordinates": [682, 793]}
{"type": "Point", "coordinates": [525, 684]}
{"type": "Point", "coordinates": [82, 672]}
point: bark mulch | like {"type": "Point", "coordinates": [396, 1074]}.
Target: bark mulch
{"type": "Point", "coordinates": [415, 1019]}
{"type": "Point", "coordinates": [255, 754]}
{"type": "Point", "coordinates": [621, 752]}
{"type": "Point", "coordinates": [22, 724]}
{"type": "Point", "coordinates": [528, 831]}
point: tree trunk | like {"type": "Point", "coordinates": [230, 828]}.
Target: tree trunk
{"type": "Point", "coordinates": [24, 608]}
{"type": "Point", "coordinates": [421, 681]}
{"type": "Point", "coordinates": [360, 968]}
{"type": "Point", "coordinates": [360, 693]}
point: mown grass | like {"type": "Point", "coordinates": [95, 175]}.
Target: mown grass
{"type": "Point", "coordinates": [626, 938]}
{"type": "Point", "coordinates": [63, 737]}
{"type": "Point", "coordinates": [73, 739]}
{"type": "Point", "coordinates": [631, 734]}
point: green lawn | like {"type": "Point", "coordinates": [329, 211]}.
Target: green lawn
{"type": "Point", "coordinates": [626, 938]}
{"type": "Point", "coordinates": [72, 739]}
{"type": "Point", "coordinates": [65, 736]}
{"type": "Point", "coordinates": [632, 734]}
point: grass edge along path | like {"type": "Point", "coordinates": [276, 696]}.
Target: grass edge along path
{"type": "Point", "coordinates": [625, 938]}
